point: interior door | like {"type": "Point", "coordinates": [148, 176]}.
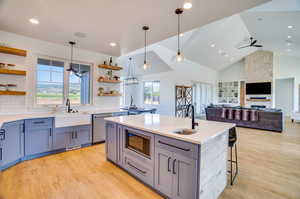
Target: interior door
{"type": "Point", "coordinates": [163, 171]}
{"type": "Point", "coordinates": [185, 180]}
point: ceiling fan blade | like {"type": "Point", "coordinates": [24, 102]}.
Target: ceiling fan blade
{"type": "Point", "coordinates": [258, 46]}
{"type": "Point", "coordinates": [253, 42]}
{"type": "Point", "coordinates": [244, 47]}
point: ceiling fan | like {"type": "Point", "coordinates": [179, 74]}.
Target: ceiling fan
{"type": "Point", "coordinates": [252, 44]}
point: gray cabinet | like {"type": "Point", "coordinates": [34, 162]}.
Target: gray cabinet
{"type": "Point", "coordinates": [68, 137]}
{"type": "Point", "coordinates": [111, 141]}
{"type": "Point", "coordinates": [11, 143]}
{"type": "Point", "coordinates": [163, 171]}
{"type": "Point", "coordinates": [174, 172]}
{"type": "Point", "coordinates": [38, 135]}
{"type": "Point", "coordinates": [61, 137]}
{"type": "Point", "coordinates": [185, 180]}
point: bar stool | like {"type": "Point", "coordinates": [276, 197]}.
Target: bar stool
{"type": "Point", "coordinates": [232, 143]}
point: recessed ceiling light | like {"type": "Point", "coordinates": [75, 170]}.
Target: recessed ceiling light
{"type": "Point", "coordinates": [34, 21]}
{"type": "Point", "coordinates": [290, 27]}
{"type": "Point", "coordinates": [213, 45]}
{"type": "Point", "coordinates": [113, 44]}
{"type": "Point", "coordinates": [187, 5]}
{"type": "Point", "coordinates": [289, 36]}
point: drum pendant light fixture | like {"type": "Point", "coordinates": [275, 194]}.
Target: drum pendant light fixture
{"type": "Point", "coordinates": [146, 65]}
{"type": "Point", "coordinates": [179, 57]}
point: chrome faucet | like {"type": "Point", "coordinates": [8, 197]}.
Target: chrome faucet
{"type": "Point", "coordinates": [193, 115]}
{"type": "Point", "coordinates": [68, 104]}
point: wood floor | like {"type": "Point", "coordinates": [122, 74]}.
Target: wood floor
{"type": "Point", "coordinates": [269, 169]}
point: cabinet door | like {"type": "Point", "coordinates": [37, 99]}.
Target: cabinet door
{"type": "Point", "coordinates": [62, 137]}
{"type": "Point", "coordinates": [11, 143]}
{"type": "Point", "coordinates": [163, 171]}
{"type": "Point", "coordinates": [111, 141]}
{"type": "Point", "coordinates": [185, 177]}
{"type": "Point", "coordinates": [38, 141]}
{"type": "Point", "coordinates": [82, 135]}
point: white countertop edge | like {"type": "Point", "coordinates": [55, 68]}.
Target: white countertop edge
{"type": "Point", "coordinates": [175, 136]}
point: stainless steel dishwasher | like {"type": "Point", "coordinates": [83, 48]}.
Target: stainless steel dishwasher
{"type": "Point", "coordinates": [99, 125]}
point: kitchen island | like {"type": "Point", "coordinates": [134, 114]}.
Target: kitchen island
{"type": "Point", "coordinates": [177, 166]}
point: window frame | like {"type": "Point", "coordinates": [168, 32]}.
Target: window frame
{"type": "Point", "coordinates": [151, 104]}
{"type": "Point", "coordinates": [66, 81]}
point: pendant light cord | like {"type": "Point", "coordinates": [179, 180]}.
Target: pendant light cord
{"type": "Point", "coordinates": [145, 54]}
{"type": "Point", "coordinates": [178, 50]}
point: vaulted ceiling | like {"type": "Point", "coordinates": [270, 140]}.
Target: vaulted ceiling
{"type": "Point", "coordinates": [105, 21]}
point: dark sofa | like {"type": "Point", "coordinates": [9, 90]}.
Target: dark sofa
{"type": "Point", "coordinates": [267, 119]}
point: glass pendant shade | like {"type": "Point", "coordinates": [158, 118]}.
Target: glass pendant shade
{"type": "Point", "coordinates": [131, 79]}
{"type": "Point", "coordinates": [179, 57]}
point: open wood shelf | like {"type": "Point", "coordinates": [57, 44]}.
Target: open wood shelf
{"type": "Point", "coordinates": [12, 72]}
{"type": "Point", "coordinates": [109, 81]}
{"type": "Point", "coordinates": [12, 93]}
{"type": "Point", "coordinates": [111, 95]}
{"type": "Point", "coordinates": [13, 51]}
{"type": "Point", "coordinates": [258, 100]}
{"type": "Point", "coordinates": [110, 67]}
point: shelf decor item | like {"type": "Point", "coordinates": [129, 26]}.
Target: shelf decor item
{"type": "Point", "coordinates": [131, 79]}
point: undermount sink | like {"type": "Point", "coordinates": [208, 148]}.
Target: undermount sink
{"type": "Point", "coordinates": [185, 131]}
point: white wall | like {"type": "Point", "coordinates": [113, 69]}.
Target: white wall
{"type": "Point", "coordinates": [288, 67]}
{"type": "Point", "coordinates": [234, 72]}
{"type": "Point", "coordinates": [284, 95]}
{"type": "Point", "coordinates": [36, 48]}
{"type": "Point", "coordinates": [184, 73]}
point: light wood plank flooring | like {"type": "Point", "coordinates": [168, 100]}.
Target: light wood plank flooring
{"type": "Point", "coordinates": [269, 169]}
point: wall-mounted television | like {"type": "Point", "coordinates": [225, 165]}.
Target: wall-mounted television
{"type": "Point", "coordinates": [263, 88]}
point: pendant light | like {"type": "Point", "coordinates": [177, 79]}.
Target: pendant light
{"type": "Point", "coordinates": [179, 57]}
{"type": "Point", "coordinates": [146, 65]}
{"type": "Point", "coordinates": [131, 79]}
{"type": "Point", "coordinates": [78, 72]}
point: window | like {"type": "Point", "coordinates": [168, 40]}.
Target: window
{"type": "Point", "coordinates": [54, 83]}
{"type": "Point", "coordinates": [50, 78]}
{"type": "Point", "coordinates": [151, 92]}
{"type": "Point", "coordinates": [79, 88]}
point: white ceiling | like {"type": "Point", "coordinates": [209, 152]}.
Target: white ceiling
{"type": "Point", "coordinates": [267, 23]}
{"type": "Point", "coordinates": [111, 20]}
{"type": "Point", "coordinates": [157, 64]}
{"type": "Point", "coordinates": [225, 34]}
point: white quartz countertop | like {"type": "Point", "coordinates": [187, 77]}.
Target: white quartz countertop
{"type": "Point", "coordinates": [166, 125]}
{"type": "Point", "coordinates": [62, 119]}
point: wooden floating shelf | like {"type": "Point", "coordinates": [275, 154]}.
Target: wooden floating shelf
{"type": "Point", "coordinates": [258, 100]}
{"type": "Point", "coordinates": [110, 67]}
{"type": "Point", "coordinates": [109, 81]}
{"type": "Point", "coordinates": [12, 72]}
{"type": "Point", "coordinates": [111, 95]}
{"type": "Point", "coordinates": [12, 93]}
{"type": "Point", "coordinates": [13, 51]}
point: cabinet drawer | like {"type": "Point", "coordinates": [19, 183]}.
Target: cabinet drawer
{"type": "Point", "coordinates": [39, 123]}
{"type": "Point", "coordinates": [177, 146]}
{"type": "Point", "coordinates": [139, 170]}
